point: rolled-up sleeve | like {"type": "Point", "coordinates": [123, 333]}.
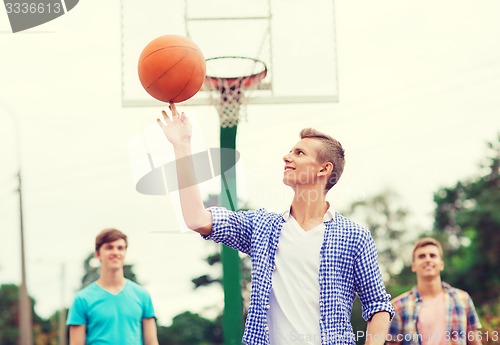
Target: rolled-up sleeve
{"type": "Point", "coordinates": [395, 333]}
{"type": "Point", "coordinates": [234, 229]}
{"type": "Point", "coordinates": [368, 280]}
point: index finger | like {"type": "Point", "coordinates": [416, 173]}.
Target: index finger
{"type": "Point", "coordinates": [173, 108]}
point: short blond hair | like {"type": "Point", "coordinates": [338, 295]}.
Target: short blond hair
{"type": "Point", "coordinates": [331, 151]}
{"type": "Point", "coordinates": [427, 241]}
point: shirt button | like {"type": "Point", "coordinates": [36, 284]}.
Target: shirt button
{"type": "Point", "coordinates": [267, 329]}
{"type": "Point", "coordinates": [268, 306]}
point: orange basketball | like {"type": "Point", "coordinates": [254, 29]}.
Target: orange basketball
{"type": "Point", "coordinates": [172, 68]}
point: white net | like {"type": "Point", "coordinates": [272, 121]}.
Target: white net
{"type": "Point", "coordinates": [228, 100]}
{"type": "Point", "coordinates": [228, 93]}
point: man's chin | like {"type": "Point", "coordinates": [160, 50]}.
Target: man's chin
{"type": "Point", "coordinates": [116, 267]}
{"type": "Point", "coordinates": [288, 182]}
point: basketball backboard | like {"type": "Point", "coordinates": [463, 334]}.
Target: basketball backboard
{"type": "Point", "coordinates": [295, 39]}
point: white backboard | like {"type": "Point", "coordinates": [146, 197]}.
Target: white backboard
{"type": "Point", "coordinates": [295, 39]}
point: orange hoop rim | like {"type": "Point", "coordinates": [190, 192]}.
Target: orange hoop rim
{"type": "Point", "coordinates": [235, 82]}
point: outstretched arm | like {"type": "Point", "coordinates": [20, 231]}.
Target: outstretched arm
{"type": "Point", "coordinates": [178, 130]}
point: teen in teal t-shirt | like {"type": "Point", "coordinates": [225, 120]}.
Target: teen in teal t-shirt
{"type": "Point", "coordinates": [113, 310]}
{"type": "Point", "coordinates": [112, 319]}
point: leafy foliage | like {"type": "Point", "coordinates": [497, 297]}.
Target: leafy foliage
{"type": "Point", "coordinates": [214, 260]}
{"type": "Point", "coordinates": [467, 216]}
{"type": "Point", "coordinates": [190, 329]}
{"type": "Point", "coordinates": [9, 316]}
{"type": "Point", "coordinates": [387, 224]}
{"type": "Point", "coordinates": [467, 219]}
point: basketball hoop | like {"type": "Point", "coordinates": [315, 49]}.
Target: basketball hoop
{"type": "Point", "coordinates": [227, 88]}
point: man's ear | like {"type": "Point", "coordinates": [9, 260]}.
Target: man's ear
{"type": "Point", "coordinates": [96, 254]}
{"type": "Point", "coordinates": [326, 169]}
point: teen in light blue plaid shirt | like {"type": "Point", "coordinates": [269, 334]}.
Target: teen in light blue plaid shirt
{"type": "Point", "coordinates": [308, 263]}
{"type": "Point", "coordinates": [433, 312]}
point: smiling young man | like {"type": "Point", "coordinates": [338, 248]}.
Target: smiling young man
{"type": "Point", "coordinates": [433, 312]}
{"type": "Point", "coordinates": [112, 310]}
{"type": "Point", "coordinates": [308, 263]}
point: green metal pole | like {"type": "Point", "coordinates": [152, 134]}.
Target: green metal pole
{"type": "Point", "coordinates": [232, 319]}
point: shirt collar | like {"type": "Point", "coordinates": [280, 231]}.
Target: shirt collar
{"type": "Point", "coordinates": [329, 214]}
{"type": "Point", "coordinates": [446, 287]}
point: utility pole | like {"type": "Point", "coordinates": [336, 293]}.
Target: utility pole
{"type": "Point", "coordinates": [25, 311]}
{"type": "Point", "coordinates": [25, 317]}
{"type": "Point", "coordinates": [62, 312]}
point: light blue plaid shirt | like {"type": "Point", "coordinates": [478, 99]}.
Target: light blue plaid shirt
{"type": "Point", "coordinates": [461, 317]}
{"type": "Point", "coordinates": [348, 266]}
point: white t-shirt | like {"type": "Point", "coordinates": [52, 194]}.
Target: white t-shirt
{"type": "Point", "coordinates": [293, 317]}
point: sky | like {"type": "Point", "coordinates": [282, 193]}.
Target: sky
{"type": "Point", "coordinates": [418, 101]}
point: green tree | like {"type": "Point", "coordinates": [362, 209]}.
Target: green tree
{"type": "Point", "coordinates": [54, 321]}
{"type": "Point", "coordinates": [467, 219]}
{"type": "Point", "coordinates": [9, 314]}
{"type": "Point", "coordinates": [191, 329]}
{"type": "Point", "coordinates": [387, 223]}
{"type": "Point", "coordinates": [214, 260]}
{"type": "Point", "coordinates": [9, 318]}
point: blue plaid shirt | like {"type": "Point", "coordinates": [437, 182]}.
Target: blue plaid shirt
{"type": "Point", "coordinates": [348, 266]}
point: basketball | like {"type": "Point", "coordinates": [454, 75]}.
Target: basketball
{"type": "Point", "coordinates": [172, 68]}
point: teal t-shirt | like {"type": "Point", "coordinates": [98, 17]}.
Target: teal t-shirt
{"type": "Point", "coordinates": [112, 319]}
